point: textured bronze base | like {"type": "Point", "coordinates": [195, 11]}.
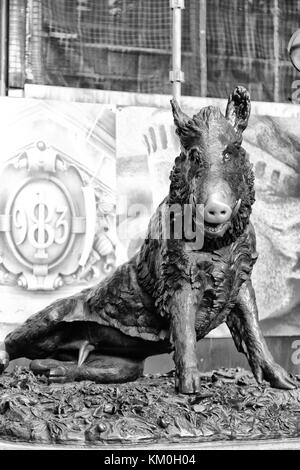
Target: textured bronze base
{"type": "Point", "coordinates": [230, 406]}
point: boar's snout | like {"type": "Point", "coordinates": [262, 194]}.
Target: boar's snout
{"type": "Point", "coordinates": [216, 211]}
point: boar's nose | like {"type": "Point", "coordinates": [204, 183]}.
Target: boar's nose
{"type": "Point", "coordinates": [216, 211]}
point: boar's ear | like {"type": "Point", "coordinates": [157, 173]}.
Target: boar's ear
{"type": "Point", "coordinates": [238, 109]}
{"type": "Point", "coordinates": [186, 128]}
{"type": "Point", "coordinates": [180, 118]}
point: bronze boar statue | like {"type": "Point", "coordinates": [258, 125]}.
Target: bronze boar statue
{"type": "Point", "coordinates": [171, 293]}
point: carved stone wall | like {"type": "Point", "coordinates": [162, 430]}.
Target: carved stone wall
{"type": "Point", "coordinates": [57, 202]}
{"type": "Point", "coordinates": [273, 144]}
{"type": "Point", "coordinates": [70, 210]}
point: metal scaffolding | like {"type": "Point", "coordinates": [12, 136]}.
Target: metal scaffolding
{"type": "Point", "coordinates": [3, 46]}
{"type": "Point", "coordinates": [176, 75]}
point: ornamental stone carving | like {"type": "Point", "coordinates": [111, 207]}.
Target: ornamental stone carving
{"type": "Point", "coordinates": [54, 226]}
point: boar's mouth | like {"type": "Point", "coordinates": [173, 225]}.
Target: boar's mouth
{"type": "Point", "coordinates": [216, 230]}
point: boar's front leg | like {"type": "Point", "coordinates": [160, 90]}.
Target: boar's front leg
{"type": "Point", "coordinates": [182, 308]}
{"type": "Point", "coordinates": [248, 338]}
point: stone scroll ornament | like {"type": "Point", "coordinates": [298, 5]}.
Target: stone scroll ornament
{"type": "Point", "coordinates": [174, 291]}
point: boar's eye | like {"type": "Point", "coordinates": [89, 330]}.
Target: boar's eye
{"type": "Point", "coordinates": [227, 156]}
{"type": "Point", "coordinates": [231, 151]}
{"type": "Point", "coordinates": [195, 155]}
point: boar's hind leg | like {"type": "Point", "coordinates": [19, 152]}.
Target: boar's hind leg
{"type": "Point", "coordinates": [99, 368]}
{"type": "Point", "coordinates": [248, 338]}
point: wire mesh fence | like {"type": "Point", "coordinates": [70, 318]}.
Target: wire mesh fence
{"type": "Point", "coordinates": [125, 45]}
{"type": "Point", "coordinates": [247, 43]}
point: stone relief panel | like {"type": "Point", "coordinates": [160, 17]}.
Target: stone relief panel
{"type": "Point", "coordinates": [63, 189]}
{"type": "Point", "coordinates": [144, 163]}
{"type": "Point", "coordinates": [57, 202]}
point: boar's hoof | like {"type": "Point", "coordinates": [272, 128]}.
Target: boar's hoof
{"type": "Point", "coordinates": [60, 375]}
{"type": "Point", "coordinates": [56, 371]}
{"type": "Point", "coordinates": [188, 381]}
{"type": "Point", "coordinates": [278, 377]}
